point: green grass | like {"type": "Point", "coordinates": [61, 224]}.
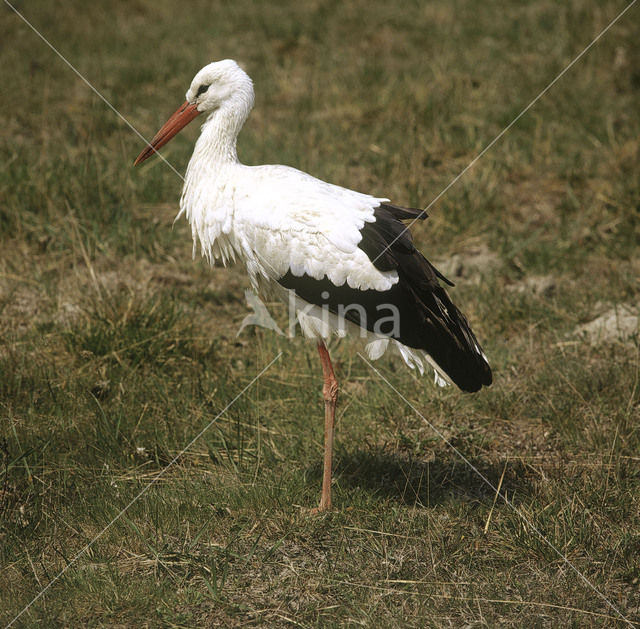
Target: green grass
{"type": "Point", "coordinates": [116, 349]}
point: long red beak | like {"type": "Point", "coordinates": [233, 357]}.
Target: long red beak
{"type": "Point", "coordinates": [180, 119]}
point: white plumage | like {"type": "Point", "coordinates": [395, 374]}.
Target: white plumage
{"type": "Point", "coordinates": [276, 218]}
{"type": "Point", "coordinates": [292, 230]}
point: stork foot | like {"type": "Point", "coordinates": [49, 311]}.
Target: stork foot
{"type": "Point", "coordinates": [318, 510]}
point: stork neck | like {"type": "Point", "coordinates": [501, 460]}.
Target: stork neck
{"type": "Point", "coordinates": [217, 142]}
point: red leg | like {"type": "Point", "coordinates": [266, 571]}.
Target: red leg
{"type": "Point", "coordinates": [330, 394]}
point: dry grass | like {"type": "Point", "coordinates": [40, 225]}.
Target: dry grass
{"type": "Point", "coordinates": [116, 349]}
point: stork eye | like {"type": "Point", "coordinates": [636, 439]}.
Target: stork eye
{"type": "Point", "coordinates": [202, 89]}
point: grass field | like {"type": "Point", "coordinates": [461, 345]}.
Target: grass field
{"type": "Point", "coordinates": [117, 349]}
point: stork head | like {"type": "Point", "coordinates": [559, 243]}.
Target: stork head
{"type": "Point", "coordinates": [219, 85]}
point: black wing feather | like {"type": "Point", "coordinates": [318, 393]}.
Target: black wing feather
{"type": "Point", "coordinates": [428, 318]}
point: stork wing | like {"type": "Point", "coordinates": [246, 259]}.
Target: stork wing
{"type": "Point", "coordinates": [351, 253]}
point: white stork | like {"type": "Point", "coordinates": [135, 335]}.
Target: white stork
{"type": "Point", "coordinates": [346, 255]}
